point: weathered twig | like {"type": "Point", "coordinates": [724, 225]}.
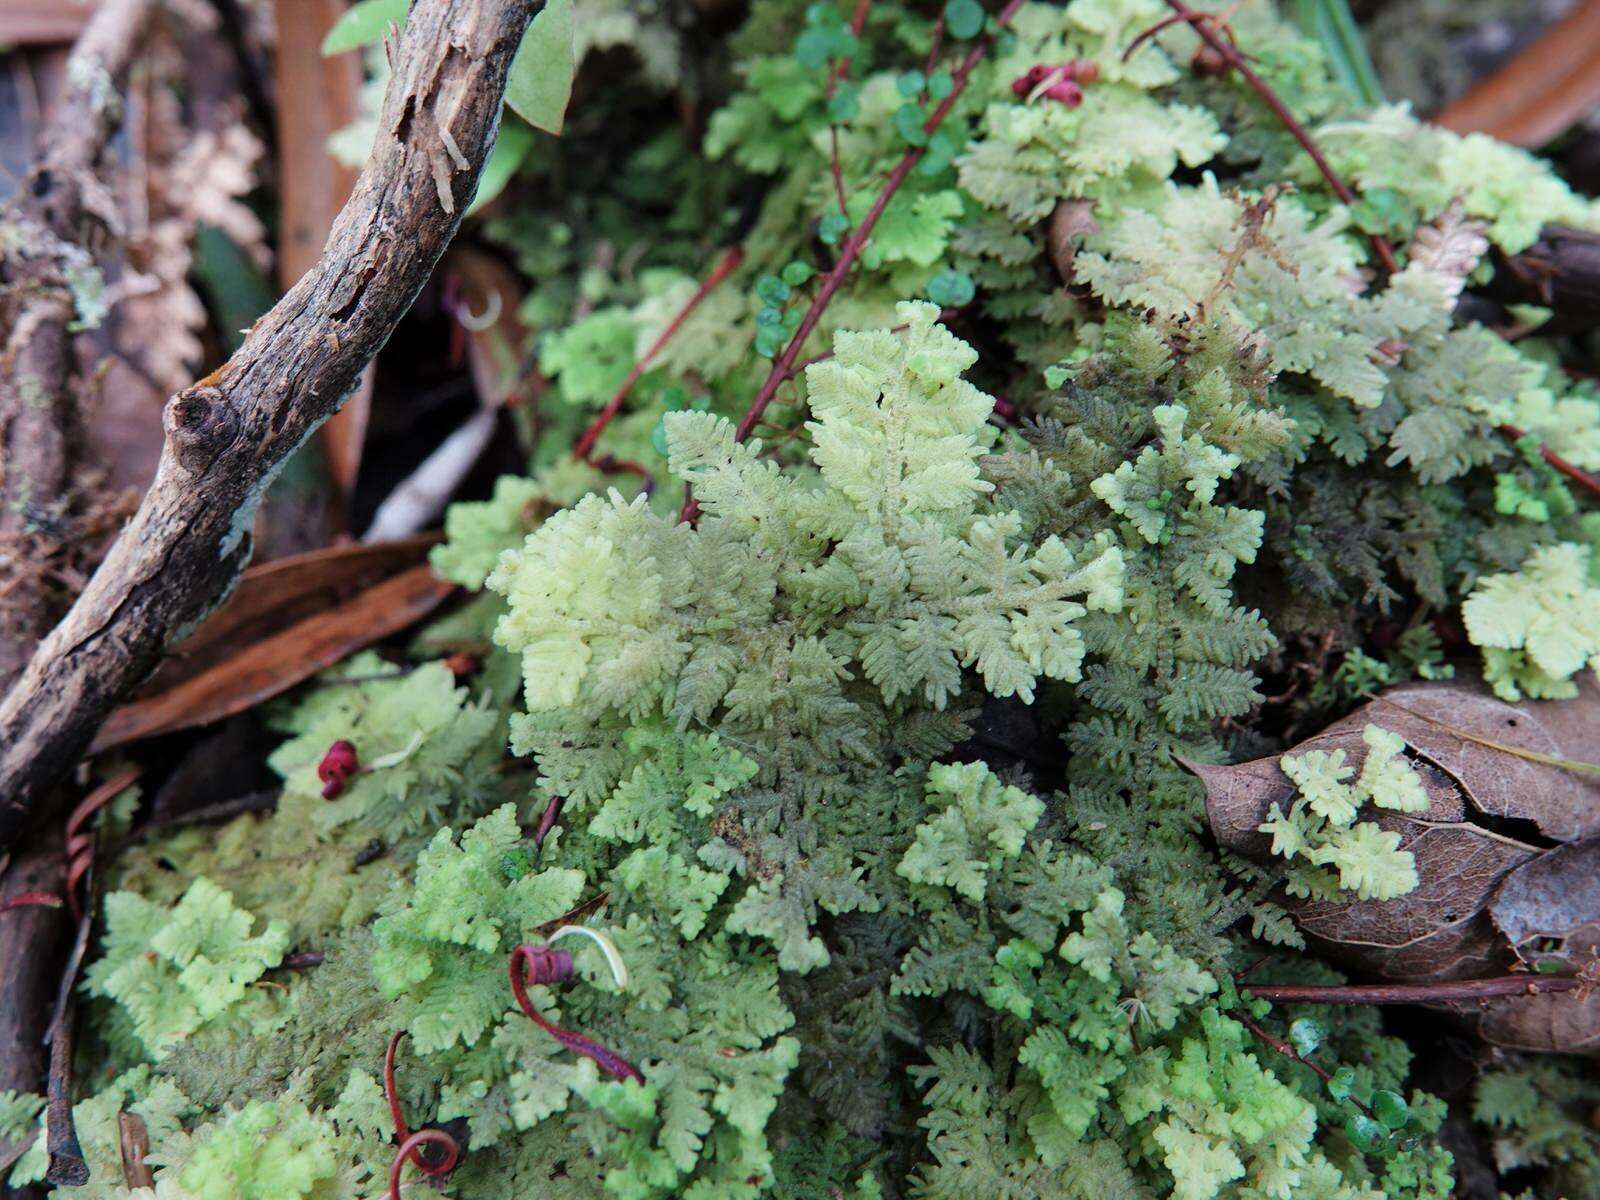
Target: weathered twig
{"type": "Point", "coordinates": [45, 264]}
{"type": "Point", "coordinates": [228, 435]}
{"type": "Point", "coordinates": [1201, 23]}
{"type": "Point", "coordinates": [1414, 993]}
{"type": "Point", "coordinates": [1561, 271]}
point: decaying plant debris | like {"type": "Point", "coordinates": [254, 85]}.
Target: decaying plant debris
{"type": "Point", "coordinates": [1018, 608]}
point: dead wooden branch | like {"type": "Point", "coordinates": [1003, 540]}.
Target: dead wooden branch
{"type": "Point", "coordinates": [47, 276]}
{"type": "Point", "coordinates": [1561, 272]}
{"type": "Point", "coordinates": [227, 436]}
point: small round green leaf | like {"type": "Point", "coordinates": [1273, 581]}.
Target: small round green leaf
{"type": "Point", "coordinates": [1342, 1083]}
{"type": "Point", "coordinates": [1391, 1109]}
{"type": "Point", "coordinates": [772, 289]}
{"type": "Point", "coordinates": [951, 289]}
{"type": "Point", "coordinates": [1306, 1035]}
{"type": "Point", "coordinates": [908, 121]}
{"type": "Point", "coordinates": [964, 18]}
{"type": "Point", "coordinates": [1367, 1135]}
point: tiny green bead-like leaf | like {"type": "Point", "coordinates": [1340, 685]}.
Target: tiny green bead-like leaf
{"type": "Point", "coordinates": [908, 121]}
{"type": "Point", "coordinates": [844, 105]}
{"type": "Point", "coordinates": [909, 83]}
{"type": "Point", "coordinates": [951, 289]}
{"type": "Point", "coordinates": [813, 48]}
{"type": "Point", "coordinates": [797, 272]}
{"type": "Point", "coordinates": [832, 227]}
{"type": "Point", "coordinates": [769, 340]}
{"type": "Point", "coordinates": [940, 84]}
{"type": "Point", "coordinates": [1306, 1035]}
{"type": "Point", "coordinates": [772, 289]}
{"type": "Point", "coordinates": [1342, 1083]}
{"type": "Point", "coordinates": [964, 18]}
{"type": "Point", "coordinates": [1367, 1135]}
{"type": "Point", "coordinates": [1391, 1108]}
{"type": "Point", "coordinates": [769, 316]}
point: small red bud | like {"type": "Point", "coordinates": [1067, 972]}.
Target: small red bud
{"type": "Point", "coordinates": [462, 664]}
{"type": "Point", "coordinates": [336, 768]}
{"type": "Point", "coordinates": [1084, 70]}
{"type": "Point", "coordinates": [1208, 61]}
{"type": "Point", "coordinates": [1067, 92]}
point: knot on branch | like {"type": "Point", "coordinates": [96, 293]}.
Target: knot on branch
{"type": "Point", "coordinates": [200, 424]}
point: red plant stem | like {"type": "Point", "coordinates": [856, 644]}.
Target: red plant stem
{"type": "Point", "coordinates": [836, 169]}
{"type": "Point", "coordinates": [411, 1148]}
{"type": "Point", "coordinates": [1575, 473]}
{"type": "Point", "coordinates": [1230, 55]}
{"type": "Point", "coordinates": [858, 22]}
{"type": "Point", "coordinates": [1288, 1051]}
{"type": "Point", "coordinates": [609, 1060]}
{"type": "Point", "coordinates": [1415, 993]}
{"type": "Point", "coordinates": [31, 900]}
{"type": "Point", "coordinates": [80, 841]}
{"type": "Point", "coordinates": [853, 246]}
{"type": "Point", "coordinates": [726, 265]}
{"type": "Point", "coordinates": [411, 1144]}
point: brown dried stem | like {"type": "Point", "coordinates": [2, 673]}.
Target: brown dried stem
{"type": "Point", "coordinates": [228, 435]}
{"type": "Point", "coordinates": [1415, 993]}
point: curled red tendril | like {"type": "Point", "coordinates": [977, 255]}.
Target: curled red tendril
{"type": "Point", "coordinates": [411, 1147]}
{"type": "Point", "coordinates": [544, 964]}
{"type": "Point", "coordinates": [411, 1143]}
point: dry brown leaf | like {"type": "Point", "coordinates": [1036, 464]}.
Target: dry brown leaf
{"type": "Point", "coordinates": [271, 666]}
{"type": "Point", "coordinates": [42, 22]}
{"type": "Point", "coordinates": [1491, 820]}
{"type": "Point", "coordinates": [273, 596]}
{"type": "Point", "coordinates": [317, 97]}
{"type": "Point", "coordinates": [1543, 91]}
{"type": "Point", "coordinates": [1069, 221]}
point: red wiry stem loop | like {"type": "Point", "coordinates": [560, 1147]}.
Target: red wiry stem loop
{"type": "Point", "coordinates": [411, 1143]}
{"type": "Point", "coordinates": [80, 839]}
{"type": "Point", "coordinates": [726, 265]}
{"type": "Point", "coordinates": [1202, 25]}
{"type": "Point", "coordinates": [541, 964]}
{"type": "Point", "coordinates": [411, 1148]}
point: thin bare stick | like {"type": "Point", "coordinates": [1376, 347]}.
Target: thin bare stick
{"type": "Point", "coordinates": [1201, 23]}
{"type": "Point", "coordinates": [1415, 993]}
{"type": "Point", "coordinates": [726, 265]}
{"type": "Point", "coordinates": [229, 434]}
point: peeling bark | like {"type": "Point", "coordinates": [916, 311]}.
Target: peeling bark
{"type": "Point", "coordinates": [44, 237]}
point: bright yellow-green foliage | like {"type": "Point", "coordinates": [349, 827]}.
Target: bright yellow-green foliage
{"type": "Point", "coordinates": [1320, 827]}
{"type": "Point", "coordinates": [175, 969]}
{"type": "Point", "coordinates": [1538, 626]}
{"type": "Point", "coordinates": [872, 773]}
{"type": "Point", "coordinates": [469, 905]}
